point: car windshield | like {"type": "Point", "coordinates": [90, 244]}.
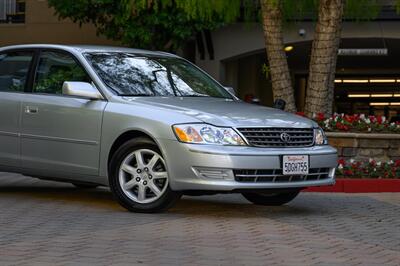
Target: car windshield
{"type": "Point", "coordinates": [141, 75]}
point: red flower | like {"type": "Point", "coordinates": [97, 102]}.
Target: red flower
{"type": "Point", "coordinates": [379, 119]}
{"type": "Point", "coordinates": [348, 173]}
{"type": "Point", "coordinates": [320, 117]}
{"type": "Point", "coordinates": [301, 114]}
{"type": "Point", "coordinates": [342, 161]}
{"type": "Point", "coordinates": [350, 118]}
{"type": "Point", "coordinates": [372, 118]}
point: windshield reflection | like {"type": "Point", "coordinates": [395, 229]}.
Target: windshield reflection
{"type": "Point", "coordinates": [139, 75]}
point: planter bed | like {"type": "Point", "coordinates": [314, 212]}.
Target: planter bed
{"type": "Point", "coordinates": [363, 146]}
{"type": "Point", "coordinates": [361, 185]}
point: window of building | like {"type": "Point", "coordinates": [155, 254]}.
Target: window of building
{"type": "Point", "coordinates": [12, 11]}
{"type": "Point", "coordinates": [374, 95]}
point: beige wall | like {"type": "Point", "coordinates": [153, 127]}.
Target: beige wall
{"type": "Point", "coordinates": [42, 26]}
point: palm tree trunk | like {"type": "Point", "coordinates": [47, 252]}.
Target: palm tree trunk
{"type": "Point", "coordinates": [278, 66]}
{"type": "Point", "coordinates": [323, 57]}
{"type": "Point", "coordinates": [331, 84]}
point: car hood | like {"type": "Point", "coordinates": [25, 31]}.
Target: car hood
{"type": "Point", "coordinates": [224, 112]}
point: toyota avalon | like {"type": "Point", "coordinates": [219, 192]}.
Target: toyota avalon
{"type": "Point", "coordinates": [151, 126]}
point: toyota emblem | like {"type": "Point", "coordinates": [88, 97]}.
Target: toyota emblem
{"type": "Point", "coordinates": [285, 137]}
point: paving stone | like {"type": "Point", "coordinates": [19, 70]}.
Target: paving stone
{"type": "Point", "coordinates": [49, 223]}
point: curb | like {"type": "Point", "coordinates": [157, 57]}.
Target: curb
{"type": "Point", "coordinates": [348, 185]}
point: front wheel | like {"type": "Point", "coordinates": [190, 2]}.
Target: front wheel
{"type": "Point", "coordinates": [138, 177]}
{"type": "Point", "coordinates": [271, 198]}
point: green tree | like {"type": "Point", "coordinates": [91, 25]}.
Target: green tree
{"type": "Point", "coordinates": [150, 24]}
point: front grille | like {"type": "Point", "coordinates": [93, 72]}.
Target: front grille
{"type": "Point", "coordinates": [276, 176]}
{"type": "Point", "coordinates": [271, 137]}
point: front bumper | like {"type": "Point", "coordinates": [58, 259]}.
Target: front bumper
{"type": "Point", "coordinates": [186, 162]}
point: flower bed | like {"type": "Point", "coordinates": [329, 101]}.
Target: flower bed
{"type": "Point", "coordinates": [355, 123]}
{"type": "Point", "coordinates": [358, 138]}
{"type": "Point", "coordinates": [368, 176]}
{"type": "Point", "coordinates": [368, 169]}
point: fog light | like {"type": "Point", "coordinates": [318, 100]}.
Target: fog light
{"type": "Point", "coordinates": [214, 173]}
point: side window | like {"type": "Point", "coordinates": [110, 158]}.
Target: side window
{"type": "Point", "coordinates": [54, 68]}
{"type": "Point", "coordinates": [14, 67]}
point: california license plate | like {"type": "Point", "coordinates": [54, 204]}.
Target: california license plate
{"type": "Point", "coordinates": [295, 165]}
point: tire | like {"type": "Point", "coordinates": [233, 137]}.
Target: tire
{"type": "Point", "coordinates": [138, 177]}
{"type": "Point", "coordinates": [84, 186]}
{"type": "Point", "coordinates": [271, 199]}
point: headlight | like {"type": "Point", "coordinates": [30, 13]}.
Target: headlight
{"type": "Point", "coordinates": [207, 134]}
{"type": "Point", "coordinates": [320, 138]}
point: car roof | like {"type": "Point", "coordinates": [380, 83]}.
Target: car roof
{"type": "Point", "coordinates": [87, 48]}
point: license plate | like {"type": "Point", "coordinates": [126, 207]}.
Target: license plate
{"type": "Point", "coordinates": [295, 165]}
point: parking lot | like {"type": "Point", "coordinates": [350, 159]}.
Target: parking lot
{"type": "Point", "coordinates": [48, 223]}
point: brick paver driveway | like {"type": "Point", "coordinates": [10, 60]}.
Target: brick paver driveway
{"type": "Point", "coordinates": [46, 223]}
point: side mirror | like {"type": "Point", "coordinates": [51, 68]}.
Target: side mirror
{"type": "Point", "coordinates": [231, 90]}
{"type": "Point", "coordinates": [81, 89]}
{"type": "Point", "coordinates": [279, 104]}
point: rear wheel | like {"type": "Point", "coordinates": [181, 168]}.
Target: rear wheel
{"type": "Point", "coordinates": [271, 198]}
{"type": "Point", "coordinates": [138, 177]}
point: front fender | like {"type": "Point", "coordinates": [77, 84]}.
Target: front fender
{"type": "Point", "coordinates": [120, 118]}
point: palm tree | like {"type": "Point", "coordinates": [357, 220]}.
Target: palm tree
{"type": "Point", "coordinates": [278, 66]}
{"type": "Point", "coordinates": [323, 57]}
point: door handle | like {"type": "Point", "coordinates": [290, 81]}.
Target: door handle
{"type": "Point", "coordinates": [31, 110]}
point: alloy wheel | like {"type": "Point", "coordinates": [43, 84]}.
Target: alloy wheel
{"type": "Point", "coordinates": [143, 176]}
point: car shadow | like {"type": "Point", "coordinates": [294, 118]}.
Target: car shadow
{"type": "Point", "coordinates": [234, 205]}
{"type": "Point", "coordinates": [230, 205]}
{"type": "Point", "coordinates": [92, 198]}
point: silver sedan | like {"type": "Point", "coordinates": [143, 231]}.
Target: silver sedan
{"type": "Point", "coordinates": [151, 126]}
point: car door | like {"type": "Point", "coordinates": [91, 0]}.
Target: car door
{"type": "Point", "coordinates": [60, 134]}
{"type": "Point", "coordinates": [14, 69]}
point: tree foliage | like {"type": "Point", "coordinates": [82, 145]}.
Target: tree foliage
{"type": "Point", "coordinates": [168, 24]}
{"type": "Point", "coordinates": [150, 24]}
